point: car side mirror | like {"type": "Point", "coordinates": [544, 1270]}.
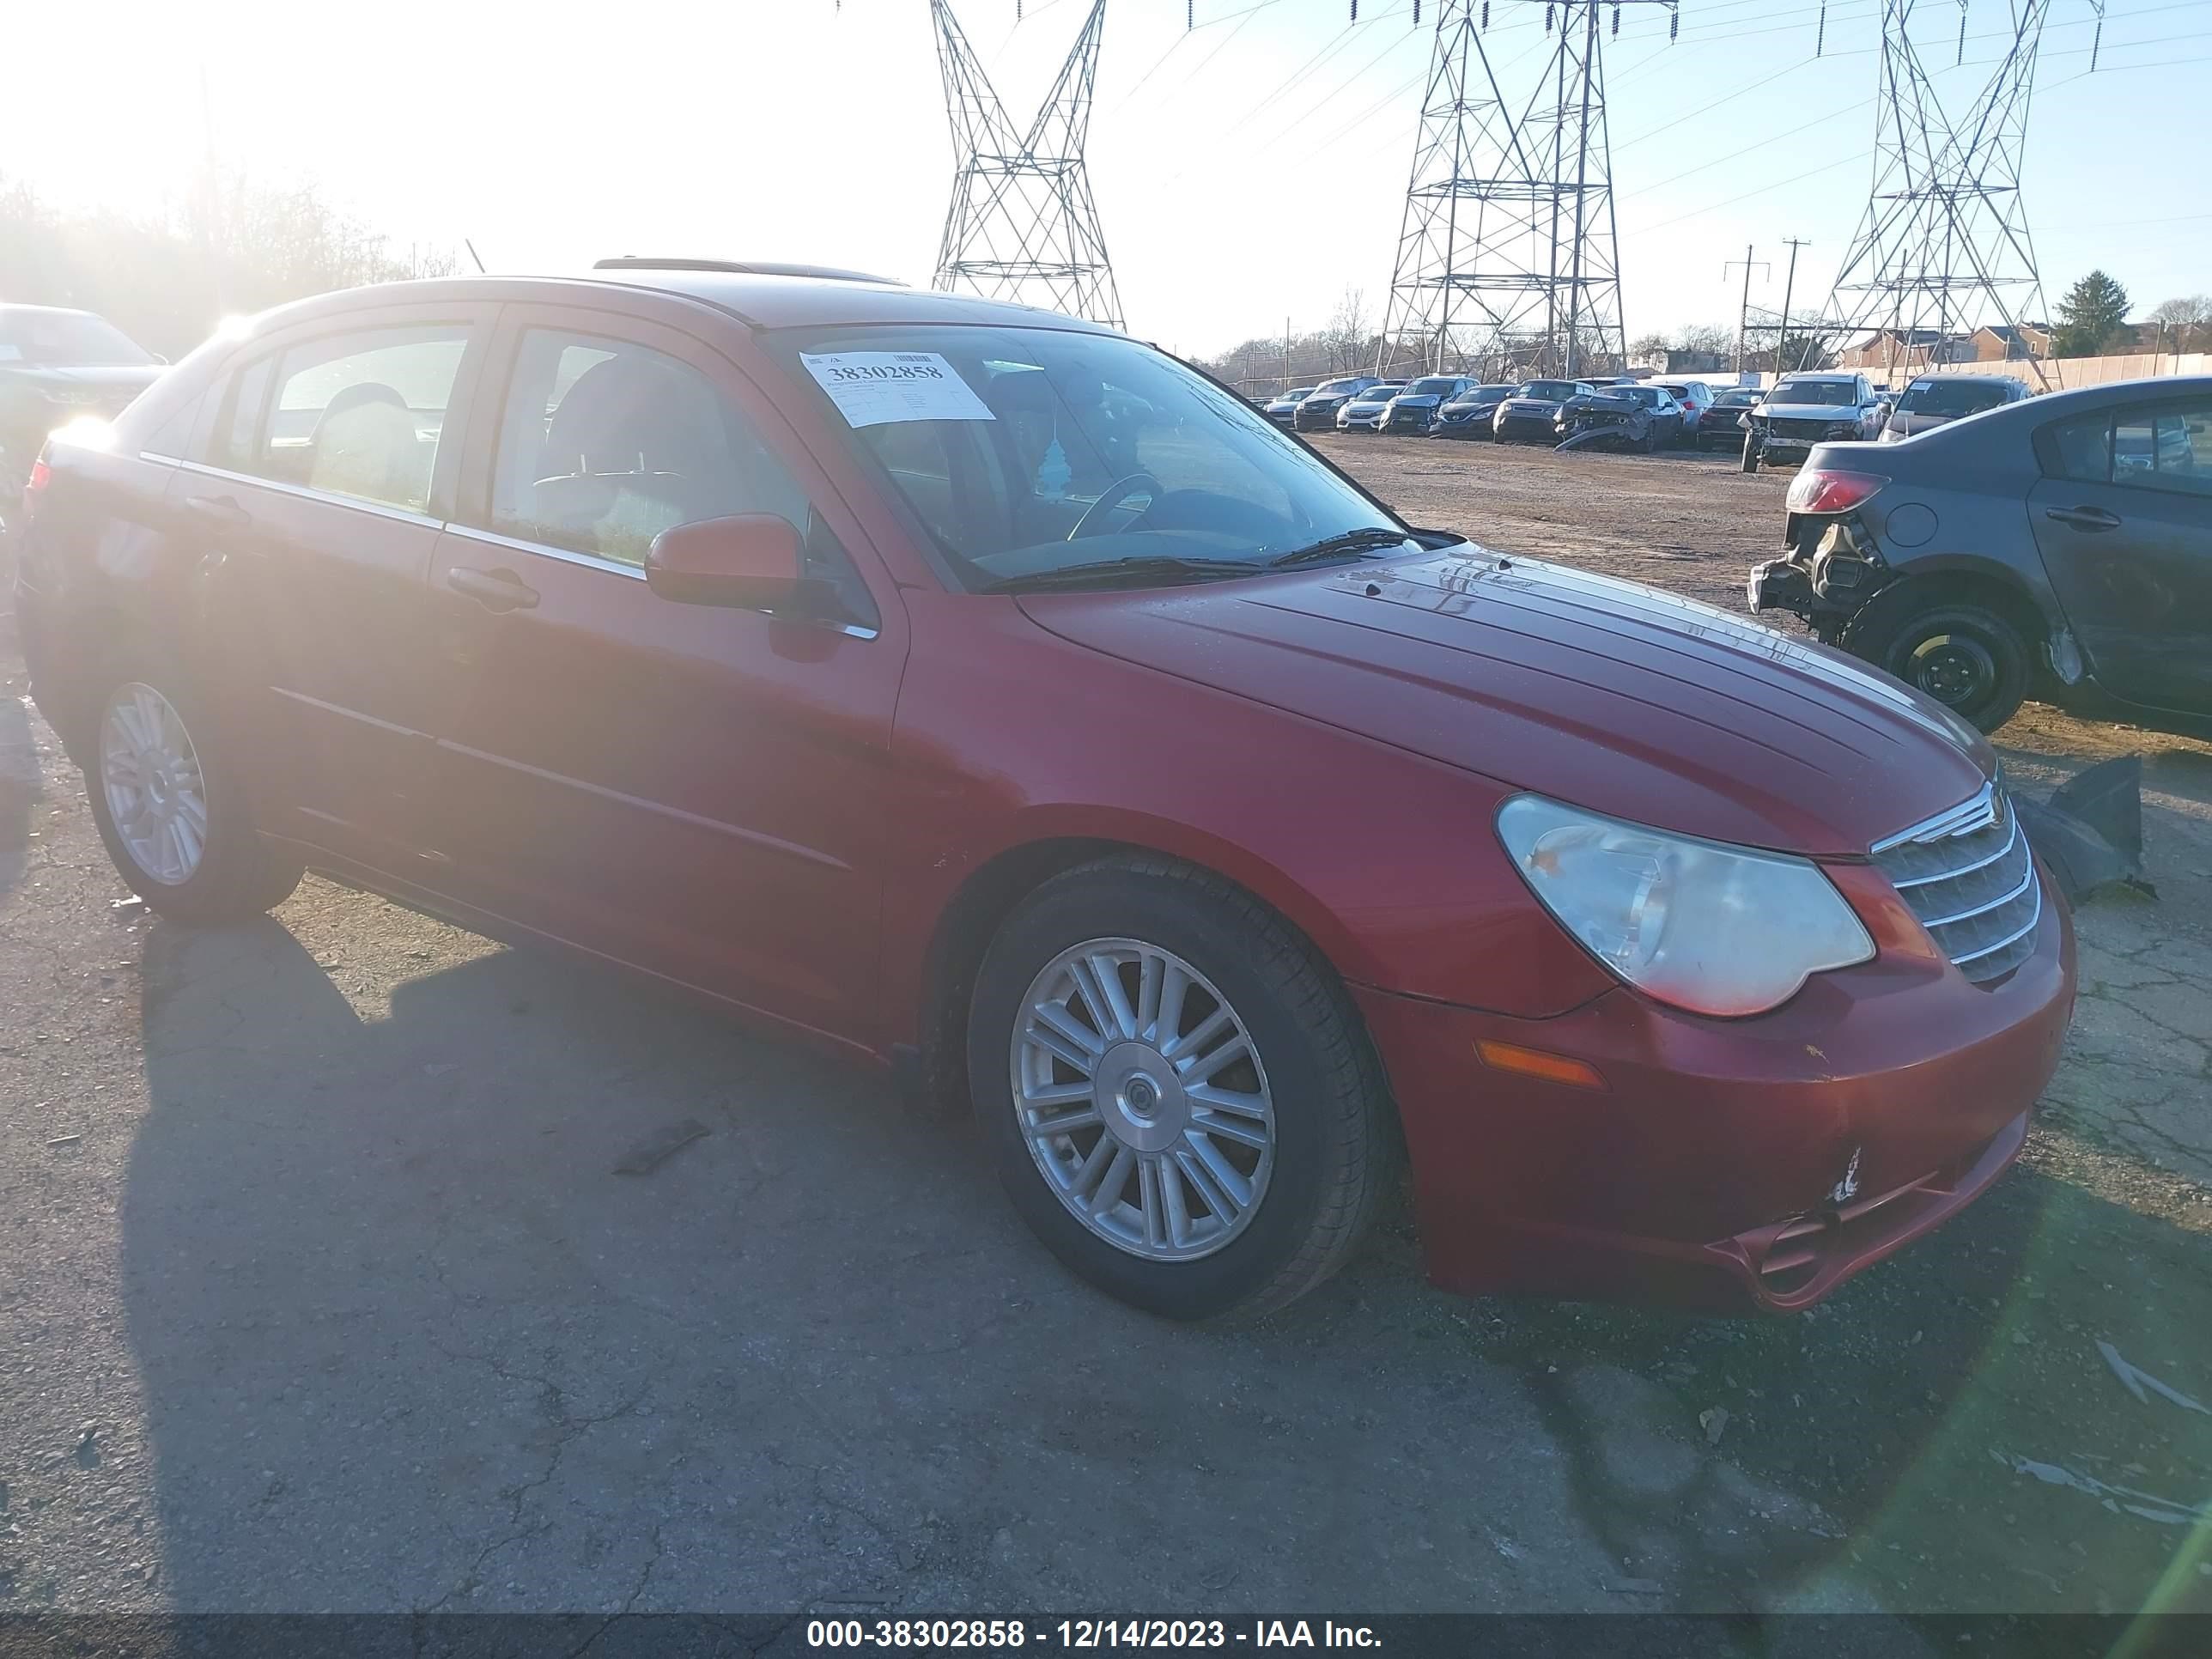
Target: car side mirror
{"type": "Point", "coordinates": [750, 560]}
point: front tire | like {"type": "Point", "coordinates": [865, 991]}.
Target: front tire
{"type": "Point", "coordinates": [169, 802]}
{"type": "Point", "coordinates": [1175, 1091]}
{"type": "Point", "coordinates": [1751, 455]}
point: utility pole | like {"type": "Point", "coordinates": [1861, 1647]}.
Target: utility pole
{"type": "Point", "coordinates": [1287, 356]}
{"type": "Point", "coordinates": [1789, 287]}
{"type": "Point", "coordinates": [1743, 317]}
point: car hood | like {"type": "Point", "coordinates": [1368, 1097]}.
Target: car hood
{"type": "Point", "coordinates": [1810, 412]}
{"type": "Point", "coordinates": [1416, 399]}
{"type": "Point", "coordinates": [1603, 693]}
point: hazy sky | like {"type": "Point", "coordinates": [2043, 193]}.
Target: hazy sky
{"type": "Point", "coordinates": [556, 132]}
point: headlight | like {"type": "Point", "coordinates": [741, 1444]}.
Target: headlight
{"type": "Point", "coordinates": [1712, 928]}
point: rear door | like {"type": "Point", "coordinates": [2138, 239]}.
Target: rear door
{"type": "Point", "coordinates": [694, 790]}
{"type": "Point", "coordinates": [315, 504]}
{"type": "Point", "coordinates": [2122, 516]}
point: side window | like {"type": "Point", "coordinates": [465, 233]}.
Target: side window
{"type": "Point", "coordinates": [604, 444]}
{"type": "Point", "coordinates": [2168, 448]}
{"type": "Point", "coordinates": [238, 428]}
{"type": "Point", "coordinates": [360, 413]}
{"type": "Point", "coordinates": [2081, 449]}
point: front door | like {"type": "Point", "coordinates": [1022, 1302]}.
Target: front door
{"type": "Point", "coordinates": [2122, 516]}
{"type": "Point", "coordinates": [316, 504]}
{"type": "Point", "coordinates": [695, 790]}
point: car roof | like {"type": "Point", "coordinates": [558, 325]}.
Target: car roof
{"type": "Point", "coordinates": [763, 296]}
{"type": "Point", "coordinates": [47, 311]}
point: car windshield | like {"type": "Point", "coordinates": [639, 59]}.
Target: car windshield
{"type": "Point", "coordinates": [1337, 388]}
{"type": "Point", "coordinates": [1026, 452]}
{"type": "Point", "coordinates": [1952, 397]}
{"type": "Point", "coordinates": [1295, 392]}
{"type": "Point", "coordinates": [1841, 394]}
{"type": "Point", "coordinates": [1433, 388]}
{"type": "Point", "coordinates": [1557, 391]}
{"type": "Point", "coordinates": [1376, 394]}
{"type": "Point", "coordinates": [67, 339]}
{"type": "Point", "coordinates": [1735, 399]}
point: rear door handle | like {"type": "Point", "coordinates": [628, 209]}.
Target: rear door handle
{"type": "Point", "coordinates": [223, 510]}
{"type": "Point", "coordinates": [2083, 517]}
{"type": "Point", "coordinates": [495, 590]}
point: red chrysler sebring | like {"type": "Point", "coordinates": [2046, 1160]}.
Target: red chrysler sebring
{"type": "Point", "coordinates": [985, 695]}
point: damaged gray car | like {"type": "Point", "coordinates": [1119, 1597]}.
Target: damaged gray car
{"type": "Point", "coordinates": [2059, 548]}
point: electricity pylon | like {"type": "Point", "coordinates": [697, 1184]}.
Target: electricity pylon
{"type": "Point", "coordinates": [1508, 252]}
{"type": "Point", "coordinates": [1944, 245]}
{"type": "Point", "coordinates": [1022, 225]}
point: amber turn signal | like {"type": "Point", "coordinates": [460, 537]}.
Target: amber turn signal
{"type": "Point", "coordinates": [1535, 1062]}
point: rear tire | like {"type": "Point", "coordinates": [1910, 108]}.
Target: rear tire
{"type": "Point", "coordinates": [169, 801]}
{"type": "Point", "coordinates": [1964, 655]}
{"type": "Point", "coordinates": [1144, 1230]}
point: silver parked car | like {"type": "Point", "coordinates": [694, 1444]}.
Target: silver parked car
{"type": "Point", "coordinates": [1933, 399]}
{"type": "Point", "coordinates": [1804, 410]}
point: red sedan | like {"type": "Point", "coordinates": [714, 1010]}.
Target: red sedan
{"type": "Point", "coordinates": [985, 694]}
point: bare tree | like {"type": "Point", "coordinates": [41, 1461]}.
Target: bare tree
{"type": "Point", "coordinates": [1347, 337]}
{"type": "Point", "coordinates": [234, 247]}
{"type": "Point", "coordinates": [2187, 318]}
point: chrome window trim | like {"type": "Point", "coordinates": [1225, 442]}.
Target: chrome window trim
{"type": "Point", "coordinates": [594, 562]}
{"type": "Point", "coordinates": [566, 556]}
{"type": "Point", "coordinates": [307, 494]}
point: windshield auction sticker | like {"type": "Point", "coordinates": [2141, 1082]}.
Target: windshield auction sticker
{"type": "Point", "coordinates": [872, 387]}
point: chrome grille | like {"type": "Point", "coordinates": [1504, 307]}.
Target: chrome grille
{"type": "Point", "coordinates": [1968, 875]}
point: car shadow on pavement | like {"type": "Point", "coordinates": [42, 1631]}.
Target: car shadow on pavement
{"type": "Point", "coordinates": [408, 1342]}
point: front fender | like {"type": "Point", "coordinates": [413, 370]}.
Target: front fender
{"type": "Point", "coordinates": [1386, 860]}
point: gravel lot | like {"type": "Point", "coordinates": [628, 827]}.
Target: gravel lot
{"type": "Point", "coordinates": [317, 1289]}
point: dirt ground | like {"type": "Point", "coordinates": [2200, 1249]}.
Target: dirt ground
{"type": "Point", "coordinates": [317, 1288]}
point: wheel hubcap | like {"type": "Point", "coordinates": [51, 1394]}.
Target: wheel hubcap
{"type": "Point", "coordinates": [150, 774]}
{"type": "Point", "coordinates": [1142, 1099]}
{"type": "Point", "coordinates": [1954, 670]}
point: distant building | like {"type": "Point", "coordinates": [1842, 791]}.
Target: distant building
{"type": "Point", "coordinates": [1907, 349]}
{"type": "Point", "coordinates": [2006, 342]}
{"type": "Point", "coordinates": [1672, 362]}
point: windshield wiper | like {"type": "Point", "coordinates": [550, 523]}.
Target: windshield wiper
{"type": "Point", "coordinates": [1351, 544]}
{"type": "Point", "coordinates": [1100, 573]}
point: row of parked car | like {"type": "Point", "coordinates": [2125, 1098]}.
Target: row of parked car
{"type": "Point", "coordinates": [1783, 423]}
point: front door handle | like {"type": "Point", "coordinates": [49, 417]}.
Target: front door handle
{"type": "Point", "coordinates": [495, 590]}
{"type": "Point", "coordinates": [2083, 517]}
{"type": "Point", "coordinates": [222, 510]}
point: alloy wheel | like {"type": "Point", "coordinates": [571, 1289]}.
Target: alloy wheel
{"type": "Point", "coordinates": [150, 774]}
{"type": "Point", "coordinates": [1140, 1094]}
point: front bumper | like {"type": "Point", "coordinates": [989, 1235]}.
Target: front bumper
{"type": "Point", "coordinates": [1359, 424]}
{"type": "Point", "coordinates": [1524, 426]}
{"type": "Point", "coordinates": [1728, 1164]}
{"type": "Point", "coordinates": [1415, 420]}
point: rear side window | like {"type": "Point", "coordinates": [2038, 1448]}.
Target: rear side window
{"type": "Point", "coordinates": [604, 444]}
{"type": "Point", "coordinates": [2167, 447]}
{"type": "Point", "coordinates": [356, 415]}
